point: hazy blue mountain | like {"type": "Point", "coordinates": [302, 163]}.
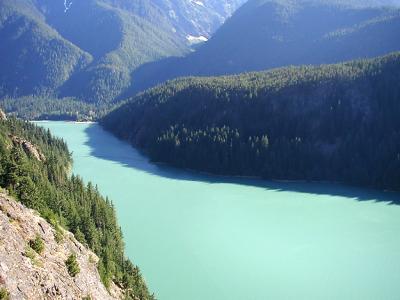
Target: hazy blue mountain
{"type": "Point", "coordinates": [196, 18]}
{"type": "Point", "coordinates": [364, 3]}
{"type": "Point", "coordinates": [184, 17]}
{"type": "Point", "coordinates": [88, 49]}
{"type": "Point", "coordinates": [34, 57]}
{"type": "Point", "coordinates": [266, 34]}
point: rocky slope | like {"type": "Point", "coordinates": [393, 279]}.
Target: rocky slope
{"type": "Point", "coordinates": [25, 274]}
{"type": "Point", "coordinates": [197, 20]}
{"type": "Point", "coordinates": [3, 116]}
{"type": "Point", "coordinates": [28, 147]}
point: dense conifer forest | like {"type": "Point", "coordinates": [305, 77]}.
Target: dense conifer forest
{"type": "Point", "coordinates": [334, 122]}
{"type": "Point", "coordinates": [34, 168]}
{"type": "Point", "coordinates": [50, 108]}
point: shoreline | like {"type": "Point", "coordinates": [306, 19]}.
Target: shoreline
{"type": "Point", "coordinates": [65, 121]}
{"type": "Point", "coordinates": [235, 179]}
{"type": "Point", "coordinates": [261, 182]}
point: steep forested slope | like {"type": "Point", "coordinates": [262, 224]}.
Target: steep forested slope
{"type": "Point", "coordinates": [265, 34]}
{"type": "Point", "coordinates": [34, 58]}
{"type": "Point", "coordinates": [88, 49]}
{"type": "Point", "coordinates": [334, 122]}
{"type": "Point", "coordinates": [34, 169]}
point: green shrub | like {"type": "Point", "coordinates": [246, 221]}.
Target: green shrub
{"type": "Point", "coordinates": [59, 234]}
{"type": "Point", "coordinates": [4, 294]}
{"type": "Point", "coordinates": [37, 244]}
{"type": "Point", "coordinates": [51, 217]}
{"type": "Point", "coordinates": [30, 253]}
{"type": "Point", "coordinates": [72, 265]}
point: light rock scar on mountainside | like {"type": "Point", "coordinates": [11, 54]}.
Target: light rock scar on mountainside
{"type": "Point", "coordinates": [3, 116]}
{"type": "Point", "coordinates": [28, 147]}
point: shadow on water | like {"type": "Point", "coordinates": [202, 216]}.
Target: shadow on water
{"type": "Point", "coordinates": [105, 146]}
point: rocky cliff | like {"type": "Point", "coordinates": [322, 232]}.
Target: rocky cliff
{"type": "Point", "coordinates": [33, 256]}
{"type": "Point", "coordinates": [28, 147]}
{"type": "Point", "coordinates": [2, 115]}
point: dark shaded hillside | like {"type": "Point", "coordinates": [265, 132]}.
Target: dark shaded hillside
{"type": "Point", "coordinates": [333, 122]}
{"type": "Point", "coordinates": [34, 169]}
{"type": "Point", "coordinates": [265, 34]}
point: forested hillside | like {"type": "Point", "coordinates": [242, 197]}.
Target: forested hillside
{"type": "Point", "coordinates": [333, 122]}
{"type": "Point", "coordinates": [265, 34]}
{"type": "Point", "coordinates": [34, 169]}
{"type": "Point", "coordinates": [34, 58]}
{"type": "Point", "coordinates": [88, 49]}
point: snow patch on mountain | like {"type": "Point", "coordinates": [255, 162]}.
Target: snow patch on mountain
{"type": "Point", "coordinates": [198, 3]}
{"type": "Point", "coordinates": [196, 39]}
{"type": "Point", "coordinates": [67, 5]}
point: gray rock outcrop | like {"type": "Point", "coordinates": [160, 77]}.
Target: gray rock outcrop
{"type": "Point", "coordinates": [45, 275]}
{"type": "Point", "coordinates": [29, 148]}
{"type": "Point", "coordinates": [3, 116]}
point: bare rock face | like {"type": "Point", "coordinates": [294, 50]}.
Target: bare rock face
{"type": "Point", "coordinates": [3, 116]}
{"type": "Point", "coordinates": [29, 148]}
{"type": "Point", "coordinates": [45, 275]}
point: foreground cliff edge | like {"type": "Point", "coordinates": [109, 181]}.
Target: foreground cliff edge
{"type": "Point", "coordinates": [26, 274]}
{"type": "Point", "coordinates": [59, 237]}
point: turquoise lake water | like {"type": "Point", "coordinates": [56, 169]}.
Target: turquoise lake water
{"type": "Point", "coordinates": [207, 237]}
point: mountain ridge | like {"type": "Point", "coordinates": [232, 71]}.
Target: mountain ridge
{"type": "Point", "coordinates": [269, 34]}
{"type": "Point", "coordinates": [88, 50]}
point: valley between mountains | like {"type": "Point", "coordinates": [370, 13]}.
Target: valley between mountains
{"type": "Point", "coordinates": [187, 150]}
